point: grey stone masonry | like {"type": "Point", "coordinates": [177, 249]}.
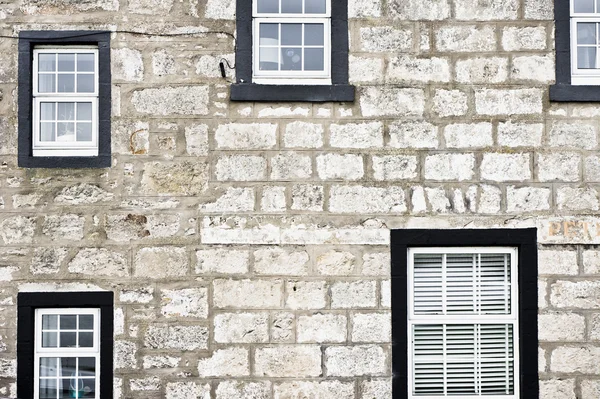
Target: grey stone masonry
{"type": "Point", "coordinates": [248, 243]}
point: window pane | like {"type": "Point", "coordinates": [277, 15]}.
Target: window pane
{"type": "Point", "coordinates": [89, 387]}
{"type": "Point", "coordinates": [49, 338]}
{"type": "Point", "coordinates": [314, 59]}
{"type": "Point", "coordinates": [269, 34]}
{"type": "Point", "coordinates": [84, 113]}
{"type": "Point", "coordinates": [291, 59]}
{"type": "Point", "coordinates": [66, 83]}
{"type": "Point", "coordinates": [87, 366]}
{"type": "Point", "coordinates": [586, 57]}
{"type": "Point", "coordinates": [86, 339]}
{"type": "Point", "coordinates": [48, 366]}
{"type": "Point", "coordinates": [314, 34]}
{"type": "Point", "coordinates": [85, 62]}
{"type": "Point", "coordinates": [46, 83]}
{"type": "Point", "coordinates": [291, 6]}
{"type": "Point", "coordinates": [314, 6]}
{"type": "Point", "coordinates": [86, 321]}
{"type": "Point", "coordinates": [67, 388]}
{"type": "Point", "coordinates": [268, 6]}
{"type": "Point", "coordinates": [68, 366]}
{"type": "Point", "coordinates": [85, 83]}
{"type": "Point", "coordinates": [46, 62]}
{"type": "Point", "coordinates": [47, 113]}
{"type": "Point", "coordinates": [65, 132]}
{"type": "Point", "coordinates": [583, 5]}
{"type": "Point", "coordinates": [67, 339]}
{"type": "Point", "coordinates": [66, 112]}
{"type": "Point", "coordinates": [84, 133]}
{"type": "Point", "coordinates": [291, 34]}
{"type": "Point", "coordinates": [66, 62]}
{"type": "Point", "coordinates": [48, 389]}
{"type": "Point", "coordinates": [268, 59]}
{"type": "Point", "coordinates": [586, 33]}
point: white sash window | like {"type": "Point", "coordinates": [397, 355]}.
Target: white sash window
{"type": "Point", "coordinates": [585, 42]}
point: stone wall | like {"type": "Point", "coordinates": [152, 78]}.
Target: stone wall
{"type": "Point", "coordinates": [248, 243]}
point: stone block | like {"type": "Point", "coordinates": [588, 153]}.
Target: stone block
{"type": "Point", "coordinates": [182, 338]}
{"type": "Point", "coordinates": [375, 388]}
{"type": "Point", "coordinates": [577, 198]}
{"type": "Point", "coordinates": [321, 328]}
{"type": "Point", "coordinates": [539, 9]}
{"type": "Point", "coordinates": [356, 135]}
{"type": "Point", "coordinates": [291, 166]}
{"type": "Point", "coordinates": [273, 199]}
{"type": "Point", "coordinates": [229, 362]}
{"type": "Point", "coordinates": [282, 327]}
{"type": "Point", "coordinates": [558, 166]}
{"type": "Point", "coordinates": [591, 262]}
{"type": "Point", "coordinates": [335, 263]}
{"type": "Point", "coordinates": [303, 135]}
{"type": "Point", "coordinates": [330, 389]}
{"type": "Point", "coordinates": [511, 134]}
{"type": "Point", "coordinates": [465, 38]}
{"type": "Point", "coordinates": [359, 199]}
{"type": "Point", "coordinates": [365, 69]}
{"type": "Point", "coordinates": [364, 8]}
{"type": "Point", "coordinates": [243, 390]}
{"type": "Point", "coordinates": [576, 134]}
{"type": "Point", "coordinates": [450, 103]}
{"type": "Point", "coordinates": [220, 9]}
{"type": "Point", "coordinates": [558, 262]}
{"type": "Point", "coordinates": [354, 361]}
{"type": "Point", "coordinates": [391, 101]}
{"type": "Point", "coordinates": [187, 390]}
{"type": "Point", "coordinates": [288, 361]}
{"type": "Point", "coordinates": [441, 167]}
{"type": "Point", "coordinates": [241, 168]}
{"type": "Point", "coordinates": [353, 294]}
{"type": "Point", "coordinates": [47, 260]}
{"type": "Point", "coordinates": [395, 167]}
{"type": "Point", "coordinates": [82, 194]}
{"type": "Point", "coordinates": [17, 230]}
{"type": "Point", "coordinates": [575, 294]}
{"type": "Point", "coordinates": [99, 262]}
{"type": "Point", "coordinates": [160, 362]}
{"type": "Point", "coordinates": [64, 227]}
{"type": "Point", "coordinates": [235, 199]}
{"type": "Point", "coordinates": [428, 10]}
{"type": "Point", "coordinates": [340, 166]}
{"type": "Point", "coordinates": [376, 264]}
{"type": "Point", "coordinates": [468, 135]}
{"type": "Point", "coordinates": [561, 327]}
{"type": "Point", "coordinates": [179, 100]}
{"type": "Point", "coordinates": [371, 327]}
{"type": "Point", "coordinates": [281, 261]}
{"type": "Point", "coordinates": [127, 64]}
{"type": "Point", "coordinates": [175, 178]}
{"type": "Point", "coordinates": [473, 10]}
{"type": "Point", "coordinates": [508, 101]}
{"type": "Point", "coordinates": [196, 140]}
{"type": "Point", "coordinates": [307, 197]}
{"type": "Point", "coordinates": [527, 199]}
{"type": "Point", "coordinates": [186, 302]}
{"type": "Point", "coordinates": [222, 261]}
{"type": "Point", "coordinates": [506, 167]}
{"type": "Point", "coordinates": [251, 136]}
{"type": "Point", "coordinates": [249, 294]}
{"type": "Point", "coordinates": [418, 134]}
{"type": "Point", "coordinates": [406, 68]}
{"type": "Point", "coordinates": [557, 389]}
{"type": "Point", "coordinates": [483, 70]}
{"type": "Point", "coordinates": [241, 327]}
{"type": "Point", "coordinates": [306, 294]}
{"type": "Point", "coordinates": [161, 262]}
{"type": "Point", "coordinates": [533, 68]}
{"type": "Point", "coordinates": [581, 359]}
{"type": "Point", "coordinates": [124, 355]}
{"type": "Point", "coordinates": [375, 39]}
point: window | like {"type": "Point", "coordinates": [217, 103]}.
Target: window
{"type": "Point", "coordinates": [292, 50]}
{"type": "Point", "coordinates": [64, 99]}
{"type": "Point", "coordinates": [64, 345]}
{"type": "Point", "coordinates": [464, 312]}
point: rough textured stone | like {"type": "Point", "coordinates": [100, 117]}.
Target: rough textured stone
{"type": "Point", "coordinates": [558, 262]}
{"type": "Point", "coordinates": [533, 68]}
{"type": "Point", "coordinates": [273, 199]}
{"type": "Point", "coordinates": [82, 194]}
{"type": "Point", "coordinates": [250, 136]}
{"type": "Point", "coordinates": [279, 261]}
{"type": "Point", "coordinates": [229, 362]}
{"type": "Point", "coordinates": [243, 390]}
{"type": "Point", "coordinates": [449, 167]}
{"type": "Point", "coordinates": [575, 294]}
{"type": "Point", "coordinates": [241, 327]}
{"type": "Point", "coordinates": [288, 361]}
{"type": "Point", "coordinates": [561, 327]}
{"type": "Point", "coordinates": [512, 134]}
{"type": "Point", "coordinates": [348, 361]}
{"type": "Point", "coordinates": [505, 167]}
{"type": "Point", "coordinates": [527, 199]}
{"type": "Point", "coordinates": [303, 135]}
{"type": "Point", "coordinates": [186, 302]}
{"type": "Point", "coordinates": [241, 168]}
{"type": "Point", "coordinates": [557, 388]}
{"type": "Point", "coordinates": [577, 135]}
{"type": "Point", "coordinates": [127, 64]}
{"type": "Point", "coordinates": [559, 166]}
{"type": "Point", "coordinates": [391, 101]}
{"type": "Point", "coordinates": [376, 389]}
{"type": "Point", "coordinates": [508, 102]}
{"type": "Point", "coordinates": [291, 166]}
{"type": "Point", "coordinates": [430, 10]}
{"type": "Point", "coordinates": [220, 9]}
{"type": "Point", "coordinates": [335, 263]}
{"type": "Point", "coordinates": [357, 294]}
{"type": "Point", "coordinates": [306, 294]}
{"type": "Point", "coordinates": [222, 260]}
{"type": "Point", "coordinates": [356, 135]}
{"type": "Point", "coordinates": [184, 338]}
{"type": "Point", "coordinates": [64, 227]}
{"type": "Point", "coordinates": [249, 294]}
{"type": "Point", "coordinates": [47, 260]}
{"type": "Point", "coordinates": [196, 140]}
{"type": "Point", "coordinates": [233, 200]}
{"type": "Point", "coordinates": [161, 262]}
{"type": "Point", "coordinates": [468, 135]}
{"type": "Point", "coordinates": [340, 167]}
{"type": "Point", "coordinates": [345, 199]}
{"type": "Point", "coordinates": [473, 10]}
{"type": "Point", "coordinates": [314, 389]}
{"type": "Point", "coordinates": [186, 390]}
{"type": "Point", "coordinates": [17, 230]}
{"type": "Point", "coordinates": [371, 327]}
{"type": "Point", "coordinates": [99, 262]}
{"type": "Point", "coordinates": [465, 38]}
{"type": "Point", "coordinates": [362, 69]}
{"type": "Point", "coordinates": [418, 69]}
{"type": "Point", "coordinates": [307, 197]}
{"type": "Point", "coordinates": [385, 39]}
{"type": "Point", "coordinates": [413, 135]}
{"type": "Point", "coordinates": [577, 199]}
{"type": "Point", "coordinates": [575, 359]}
{"type": "Point", "coordinates": [60, 6]}
{"type": "Point", "coordinates": [395, 167]}
{"type": "Point", "coordinates": [362, 8]}
{"type": "Point", "coordinates": [181, 100]}
{"type": "Point", "coordinates": [450, 103]}
{"type": "Point", "coordinates": [175, 178]}
{"type": "Point", "coordinates": [482, 70]}
{"type": "Point", "coordinates": [321, 328]}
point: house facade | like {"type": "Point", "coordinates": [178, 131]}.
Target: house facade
{"type": "Point", "coordinates": [235, 199]}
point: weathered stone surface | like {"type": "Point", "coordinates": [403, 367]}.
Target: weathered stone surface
{"type": "Point", "coordinates": [127, 64]}
{"type": "Point", "coordinates": [306, 294]}
{"type": "Point", "coordinates": [557, 389]}
{"type": "Point", "coordinates": [527, 199]}
{"type": "Point", "coordinates": [222, 260]}
{"type": "Point", "coordinates": [575, 294]}
{"type": "Point", "coordinates": [220, 9]}
{"type": "Point", "coordinates": [391, 101]}
{"type": "Point", "coordinates": [291, 166]}
{"type": "Point", "coordinates": [577, 199]}
{"type": "Point", "coordinates": [450, 103]}
{"type": "Point", "coordinates": [533, 68]}
{"type": "Point", "coordinates": [247, 293]}
{"type": "Point", "coordinates": [473, 10]}
{"type": "Point", "coordinates": [575, 359]}
{"type": "Point", "coordinates": [186, 390]}
{"type": "Point", "coordinates": [124, 355]}
{"type": "Point", "coordinates": [17, 229]}
{"type": "Point", "coordinates": [99, 262]}
{"type": "Point", "coordinates": [279, 261]}
{"type": "Point", "coordinates": [161, 262]}
{"type": "Point", "coordinates": [357, 294]}
{"type": "Point", "coordinates": [303, 135]}
{"type": "Point", "coordinates": [314, 389]}
{"type": "Point", "coordinates": [60, 6]}
{"type": "Point", "coordinates": [241, 168]}
{"type": "Point", "coordinates": [449, 167]}
{"type": "Point", "coordinates": [371, 327]}
{"type": "Point", "coordinates": [288, 361]}
{"type": "Point", "coordinates": [418, 69]}
{"type": "Point", "coordinates": [243, 390]}
{"type": "Point", "coordinates": [349, 361]}
{"type": "Point", "coordinates": [395, 167]}
{"type": "Point", "coordinates": [82, 194]}
{"type": "Point", "coordinates": [429, 10]}
{"type": "Point", "coordinates": [561, 327]}
{"type": "Point", "coordinates": [186, 302]}
{"type": "Point", "coordinates": [559, 262]}
{"type": "Point", "coordinates": [559, 166]}
{"type": "Point", "coordinates": [184, 338]}
{"type": "Point", "coordinates": [230, 362]}
{"type": "Point", "coordinates": [385, 39]}
{"type": "Point", "coordinates": [365, 70]}
{"type": "Point", "coordinates": [340, 166]}
{"type": "Point", "coordinates": [321, 328]}
{"type": "Point", "coordinates": [362, 8]}
{"type": "Point", "coordinates": [413, 135]}
{"type": "Point", "coordinates": [246, 135]}
{"type": "Point", "coordinates": [356, 135]}
{"type": "Point", "coordinates": [282, 327]}
{"type": "Point", "coordinates": [512, 134]}
{"type": "Point", "coordinates": [508, 102]}
{"type": "Point", "coordinates": [465, 38]}
{"type": "Point", "coordinates": [358, 199]}
{"type": "Point", "coordinates": [159, 362]}
{"type": "Point", "coordinates": [64, 227]}
{"type": "Point", "coordinates": [47, 260]}
{"type": "Point", "coordinates": [235, 199]}
{"type": "Point", "coordinates": [307, 197]}
{"type": "Point", "coordinates": [578, 134]}
{"type": "Point", "coordinates": [468, 135]}
{"type": "Point", "coordinates": [241, 327]}
{"type": "Point", "coordinates": [196, 140]}
{"type": "Point", "coordinates": [375, 388]}
{"type": "Point", "coordinates": [335, 263]}
{"type": "Point", "coordinates": [273, 199]}
{"type": "Point", "coordinates": [180, 100]}
{"type": "Point", "coordinates": [505, 167]}
{"type": "Point", "coordinates": [482, 70]}
{"type": "Point", "coordinates": [175, 178]}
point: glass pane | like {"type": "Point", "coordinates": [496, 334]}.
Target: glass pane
{"type": "Point", "coordinates": [66, 62]}
{"type": "Point", "coordinates": [65, 132]}
{"type": "Point", "coordinates": [46, 62]}
{"type": "Point", "coordinates": [291, 59]}
{"type": "Point", "coordinates": [86, 339]}
{"type": "Point", "coordinates": [314, 34]}
{"type": "Point", "coordinates": [84, 133]}
{"type": "Point", "coordinates": [89, 388]}
{"type": "Point", "coordinates": [66, 112]}
{"type": "Point", "coordinates": [291, 34]}
{"type": "Point", "coordinates": [314, 7]}
{"type": "Point", "coordinates": [47, 134]}
{"type": "Point", "coordinates": [268, 59]}
{"type": "Point", "coordinates": [84, 113]}
{"type": "Point", "coordinates": [67, 339]}
{"type": "Point", "coordinates": [586, 57]}
{"type": "Point", "coordinates": [48, 389]}
{"type": "Point", "coordinates": [48, 366]}
{"type": "Point", "coordinates": [85, 62]}
{"type": "Point", "coordinates": [47, 113]}
{"type": "Point", "coordinates": [291, 6]}
{"type": "Point", "coordinates": [68, 367]}
{"type": "Point", "coordinates": [48, 338]}
{"type": "Point", "coordinates": [46, 83]}
{"type": "Point", "coordinates": [269, 34]}
{"type": "Point", "coordinates": [586, 33]}
{"type": "Point", "coordinates": [583, 5]}
{"type": "Point", "coordinates": [85, 83]}
{"type": "Point", "coordinates": [271, 6]}
{"type": "Point", "coordinates": [314, 59]}
{"type": "Point", "coordinates": [87, 366]}
{"type": "Point", "coordinates": [68, 389]}
{"type": "Point", "coordinates": [86, 321]}
{"type": "Point", "coordinates": [66, 83]}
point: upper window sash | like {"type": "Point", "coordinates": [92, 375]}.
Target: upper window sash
{"type": "Point", "coordinates": [464, 317]}
{"type": "Point", "coordinates": [66, 50]}
{"type": "Point", "coordinates": [326, 14]}
{"type": "Point", "coordinates": [67, 352]}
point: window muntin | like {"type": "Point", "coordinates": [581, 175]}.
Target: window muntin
{"type": "Point", "coordinates": [292, 41]}
{"type": "Point", "coordinates": [65, 102]}
{"type": "Point", "coordinates": [462, 320]}
{"type": "Point", "coordinates": [67, 354]}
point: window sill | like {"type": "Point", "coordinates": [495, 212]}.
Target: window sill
{"type": "Point", "coordinates": [101, 161]}
{"type": "Point", "coordinates": [301, 93]}
{"type": "Point", "coordinates": [571, 93]}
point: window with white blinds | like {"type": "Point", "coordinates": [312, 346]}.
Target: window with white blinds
{"type": "Point", "coordinates": [463, 322]}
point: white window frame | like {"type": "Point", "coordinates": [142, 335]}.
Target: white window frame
{"type": "Point", "coordinates": [60, 149]}
{"type": "Point", "coordinates": [40, 352]}
{"type": "Point", "coordinates": [512, 318]}
{"type": "Point", "coordinates": [292, 77]}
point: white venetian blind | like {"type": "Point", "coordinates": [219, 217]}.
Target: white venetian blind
{"type": "Point", "coordinates": [462, 322]}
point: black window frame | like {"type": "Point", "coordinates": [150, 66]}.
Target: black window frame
{"type": "Point", "coordinates": [339, 90]}
{"type": "Point", "coordinates": [523, 239]}
{"type": "Point", "coordinates": [28, 302]}
{"type": "Point", "coordinates": [563, 90]}
{"type": "Point", "coordinates": [27, 42]}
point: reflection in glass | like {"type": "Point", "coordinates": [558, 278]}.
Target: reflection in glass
{"type": "Point", "coordinates": [314, 59]}
{"type": "Point", "coordinates": [47, 113]}
{"type": "Point", "coordinates": [85, 62]}
{"type": "Point", "coordinates": [48, 366]}
{"type": "Point", "coordinates": [268, 6]}
{"type": "Point", "coordinates": [291, 59]}
{"type": "Point", "coordinates": [291, 6]}
{"type": "Point", "coordinates": [48, 388]}
{"type": "Point", "coordinates": [314, 34]}
{"type": "Point", "coordinates": [46, 83]}
{"type": "Point", "coordinates": [291, 34]}
{"type": "Point", "coordinates": [85, 83]}
{"type": "Point", "coordinates": [586, 33]}
{"type": "Point", "coordinates": [66, 83]}
{"type": "Point", "coordinates": [84, 133]}
{"type": "Point", "coordinates": [87, 366]}
{"type": "Point", "coordinates": [269, 34]}
{"type": "Point", "coordinates": [46, 62]}
{"type": "Point", "coordinates": [269, 60]}
{"type": "Point", "coordinates": [66, 62]}
{"type": "Point", "coordinates": [66, 112]}
{"type": "Point", "coordinates": [84, 113]}
{"type": "Point", "coordinates": [314, 6]}
{"type": "Point", "coordinates": [586, 57]}
{"type": "Point", "coordinates": [49, 339]}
